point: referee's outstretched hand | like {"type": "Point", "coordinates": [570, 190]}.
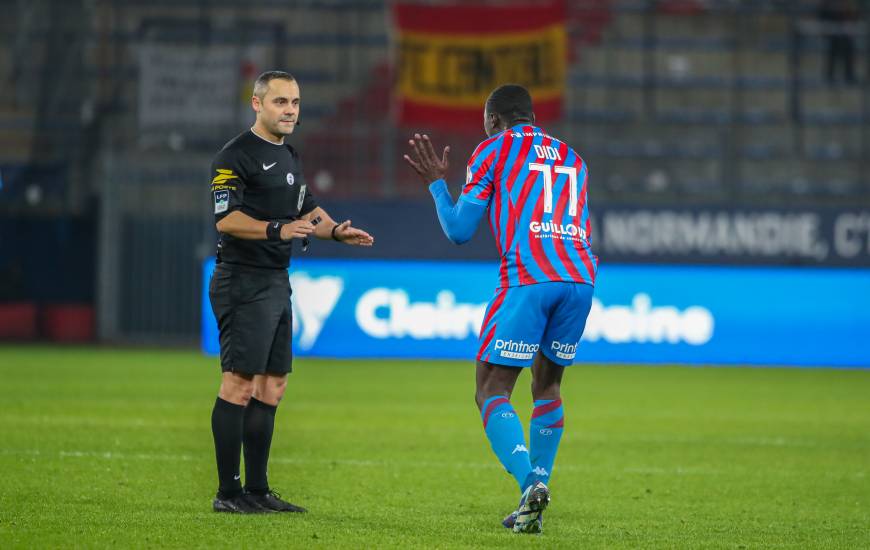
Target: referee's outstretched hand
{"type": "Point", "coordinates": [296, 230]}
{"type": "Point", "coordinates": [347, 234]}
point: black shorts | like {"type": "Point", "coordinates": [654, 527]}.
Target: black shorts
{"type": "Point", "coordinates": [252, 308]}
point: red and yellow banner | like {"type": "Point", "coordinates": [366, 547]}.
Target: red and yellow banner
{"type": "Point", "coordinates": [450, 57]}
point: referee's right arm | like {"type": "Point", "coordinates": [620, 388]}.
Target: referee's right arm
{"type": "Point", "coordinates": [240, 225]}
{"type": "Point", "coordinates": [228, 192]}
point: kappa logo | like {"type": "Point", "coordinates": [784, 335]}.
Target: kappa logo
{"type": "Point", "coordinates": [520, 449]}
{"type": "Point", "coordinates": [545, 431]}
{"type": "Point", "coordinates": [314, 300]}
{"type": "Point", "coordinates": [507, 414]}
{"type": "Point", "coordinates": [540, 471]}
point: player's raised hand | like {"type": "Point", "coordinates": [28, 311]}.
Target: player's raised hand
{"type": "Point", "coordinates": [347, 234]}
{"type": "Point", "coordinates": [425, 162]}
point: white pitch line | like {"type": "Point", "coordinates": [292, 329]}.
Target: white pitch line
{"type": "Point", "coordinates": [415, 464]}
{"type": "Point", "coordinates": [760, 441]}
{"type": "Point", "coordinates": [410, 464]}
{"type": "Point", "coordinates": [747, 441]}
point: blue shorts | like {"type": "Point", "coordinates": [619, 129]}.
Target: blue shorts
{"type": "Point", "coordinates": [521, 320]}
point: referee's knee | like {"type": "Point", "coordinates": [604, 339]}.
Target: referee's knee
{"type": "Point", "coordinates": [270, 389]}
{"type": "Point", "coordinates": [236, 389]}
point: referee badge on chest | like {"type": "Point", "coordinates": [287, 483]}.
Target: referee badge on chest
{"type": "Point", "coordinates": [290, 178]}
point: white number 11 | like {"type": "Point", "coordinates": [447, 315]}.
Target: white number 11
{"type": "Point", "coordinates": [548, 185]}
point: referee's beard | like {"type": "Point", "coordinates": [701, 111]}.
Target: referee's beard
{"type": "Point", "coordinates": [282, 128]}
{"type": "Point", "coordinates": [277, 129]}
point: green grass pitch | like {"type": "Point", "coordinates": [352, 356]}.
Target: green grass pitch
{"type": "Point", "coordinates": [112, 448]}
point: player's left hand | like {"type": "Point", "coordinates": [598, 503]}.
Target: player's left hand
{"type": "Point", "coordinates": [425, 162]}
{"type": "Point", "coordinates": [347, 234]}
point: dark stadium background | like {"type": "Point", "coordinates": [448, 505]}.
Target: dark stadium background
{"type": "Point", "coordinates": [730, 197]}
{"type": "Point", "coordinates": [687, 107]}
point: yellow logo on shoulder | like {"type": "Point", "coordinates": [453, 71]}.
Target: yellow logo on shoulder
{"type": "Point", "coordinates": [223, 176]}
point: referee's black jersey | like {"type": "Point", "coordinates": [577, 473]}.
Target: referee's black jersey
{"type": "Point", "coordinates": [264, 180]}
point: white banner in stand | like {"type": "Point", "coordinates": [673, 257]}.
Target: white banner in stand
{"type": "Point", "coordinates": [188, 86]}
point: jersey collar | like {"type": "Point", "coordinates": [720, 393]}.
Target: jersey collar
{"type": "Point", "coordinates": [519, 127]}
{"type": "Point", "coordinates": [267, 140]}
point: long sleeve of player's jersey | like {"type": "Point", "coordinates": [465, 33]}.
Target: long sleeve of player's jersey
{"type": "Point", "coordinates": [458, 220]}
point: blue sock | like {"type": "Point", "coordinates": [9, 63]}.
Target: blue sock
{"type": "Point", "coordinates": [505, 434]}
{"type": "Point", "coordinates": [545, 432]}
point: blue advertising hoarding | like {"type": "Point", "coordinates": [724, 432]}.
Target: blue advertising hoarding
{"type": "Point", "coordinates": [640, 314]}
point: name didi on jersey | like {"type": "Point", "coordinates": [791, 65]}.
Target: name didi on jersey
{"type": "Point", "coordinates": [553, 229]}
{"type": "Point", "coordinates": [534, 186]}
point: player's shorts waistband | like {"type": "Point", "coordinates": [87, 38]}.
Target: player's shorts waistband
{"type": "Point", "coordinates": [549, 282]}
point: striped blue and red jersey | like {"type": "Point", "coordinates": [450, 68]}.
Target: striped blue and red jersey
{"type": "Point", "coordinates": [534, 188]}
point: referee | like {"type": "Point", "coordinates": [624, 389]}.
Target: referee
{"type": "Point", "coordinates": [261, 203]}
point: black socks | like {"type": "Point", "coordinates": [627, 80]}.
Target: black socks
{"type": "Point", "coordinates": [227, 420]}
{"type": "Point", "coordinates": [259, 423]}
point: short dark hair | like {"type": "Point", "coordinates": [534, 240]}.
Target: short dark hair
{"type": "Point", "coordinates": [261, 85]}
{"type": "Point", "coordinates": [511, 102]}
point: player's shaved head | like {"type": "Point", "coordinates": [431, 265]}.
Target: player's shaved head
{"type": "Point", "coordinates": [506, 106]}
{"type": "Point", "coordinates": [261, 85]}
{"type": "Point", "coordinates": [511, 102]}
